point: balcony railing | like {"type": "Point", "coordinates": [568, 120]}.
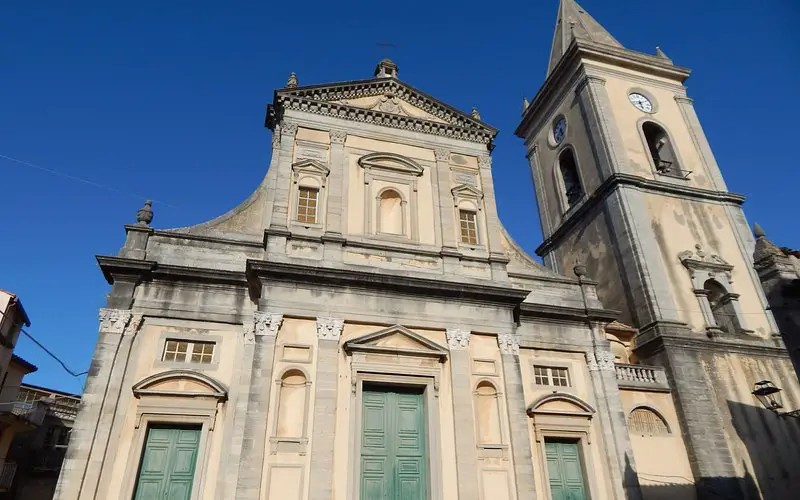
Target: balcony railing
{"type": "Point", "coordinates": [7, 471]}
{"type": "Point", "coordinates": [641, 377]}
{"type": "Point", "coordinates": [32, 413]}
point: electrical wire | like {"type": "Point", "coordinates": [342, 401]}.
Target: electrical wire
{"type": "Point", "coordinates": [50, 353]}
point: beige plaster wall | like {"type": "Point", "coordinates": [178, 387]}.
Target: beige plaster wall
{"type": "Point", "coordinates": [145, 361]}
{"type": "Point", "coordinates": [764, 446]}
{"type": "Point", "coordinates": [659, 459]}
{"type": "Point", "coordinates": [594, 460]}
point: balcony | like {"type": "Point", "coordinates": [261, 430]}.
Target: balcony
{"type": "Point", "coordinates": [17, 412]}
{"type": "Point", "coordinates": [642, 378]}
{"type": "Point", "coordinates": [7, 472]}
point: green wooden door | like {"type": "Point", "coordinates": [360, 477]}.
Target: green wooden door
{"type": "Point", "coordinates": [393, 459]}
{"type": "Point", "coordinates": [167, 468]}
{"type": "Point", "coordinates": [565, 471]}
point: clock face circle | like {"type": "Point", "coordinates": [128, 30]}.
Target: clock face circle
{"type": "Point", "coordinates": [641, 102]}
{"type": "Point", "coordinates": [559, 130]}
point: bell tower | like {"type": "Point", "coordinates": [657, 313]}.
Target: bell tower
{"type": "Point", "coordinates": [626, 183]}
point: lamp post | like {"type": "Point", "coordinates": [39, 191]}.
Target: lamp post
{"type": "Point", "coordinates": [770, 396]}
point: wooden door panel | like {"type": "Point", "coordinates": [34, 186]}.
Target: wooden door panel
{"type": "Point", "coordinates": [168, 464]}
{"type": "Point", "coordinates": [564, 470]}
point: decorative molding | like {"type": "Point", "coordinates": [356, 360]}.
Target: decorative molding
{"type": "Point", "coordinates": [485, 161]}
{"type": "Point", "coordinates": [391, 161]}
{"type": "Point", "coordinates": [457, 339]}
{"type": "Point", "coordinates": [465, 191]}
{"type": "Point", "coordinates": [699, 259]}
{"type": "Point", "coordinates": [249, 328]}
{"type": "Point", "coordinates": [338, 136]}
{"type": "Point", "coordinates": [591, 362]}
{"type": "Point", "coordinates": [442, 154]}
{"type": "Point", "coordinates": [509, 343]}
{"type": "Point", "coordinates": [134, 324]}
{"type": "Point", "coordinates": [276, 140]}
{"type": "Point", "coordinates": [605, 360]}
{"type": "Point", "coordinates": [329, 328]}
{"type": "Point", "coordinates": [589, 80]}
{"type": "Point", "coordinates": [288, 128]}
{"type": "Point", "coordinates": [114, 320]}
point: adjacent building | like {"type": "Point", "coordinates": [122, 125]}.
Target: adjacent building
{"type": "Point", "coordinates": [364, 327]}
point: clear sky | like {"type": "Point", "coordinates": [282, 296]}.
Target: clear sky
{"type": "Point", "coordinates": [165, 100]}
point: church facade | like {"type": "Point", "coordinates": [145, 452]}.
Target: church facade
{"type": "Point", "coordinates": [364, 327]}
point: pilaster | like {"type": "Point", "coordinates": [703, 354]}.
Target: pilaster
{"type": "Point", "coordinates": [259, 338]}
{"type": "Point", "coordinates": [598, 119]}
{"type": "Point", "coordinates": [283, 182]}
{"type": "Point", "coordinates": [82, 466]}
{"type": "Point", "coordinates": [463, 414]}
{"type": "Point", "coordinates": [519, 422]}
{"type": "Point", "coordinates": [498, 259]}
{"type": "Point", "coordinates": [329, 331]}
{"type": "Point", "coordinates": [333, 214]}
{"type": "Point", "coordinates": [700, 141]}
{"type": "Point", "coordinates": [446, 199]}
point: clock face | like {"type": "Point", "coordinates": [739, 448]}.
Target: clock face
{"type": "Point", "coordinates": [641, 102]}
{"type": "Point", "coordinates": [559, 130]}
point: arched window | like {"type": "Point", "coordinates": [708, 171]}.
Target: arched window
{"type": "Point", "coordinates": [661, 149]}
{"type": "Point", "coordinates": [646, 422]}
{"type": "Point", "coordinates": [390, 213]}
{"type": "Point", "coordinates": [487, 407]}
{"type": "Point", "coordinates": [573, 191]}
{"type": "Point", "coordinates": [721, 307]}
{"type": "Point", "coordinates": [292, 405]}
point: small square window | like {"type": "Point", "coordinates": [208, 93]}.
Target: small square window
{"type": "Point", "coordinates": [182, 351]}
{"type": "Point", "coordinates": [307, 205]}
{"type": "Point", "coordinates": [469, 227]}
{"type": "Point", "coordinates": [551, 375]}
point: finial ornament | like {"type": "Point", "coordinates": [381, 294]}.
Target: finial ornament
{"type": "Point", "coordinates": [475, 113]}
{"type": "Point", "coordinates": [291, 82]}
{"type": "Point", "coordinates": [579, 269]}
{"type": "Point", "coordinates": [145, 214]}
{"type": "Point", "coordinates": [660, 53]}
{"type": "Point", "coordinates": [525, 104]}
{"type": "Point", "coordinates": [386, 69]}
{"type": "Point", "coordinates": [758, 231]}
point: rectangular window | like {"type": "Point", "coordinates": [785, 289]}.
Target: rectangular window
{"type": "Point", "coordinates": [469, 227]}
{"type": "Point", "coordinates": [551, 375]}
{"type": "Point", "coordinates": [307, 205]}
{"type": "Point", "coordinates": [182, 351]}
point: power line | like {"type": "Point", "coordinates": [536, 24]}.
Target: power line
{"type": "Point", "coordinates": [84, 180]}
{"type": "Point", "coordinates": [50, 353]}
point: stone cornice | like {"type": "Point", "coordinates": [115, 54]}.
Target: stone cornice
{"type": "Point", "coordinates": [119, 268]}
{"type": "Point", "coordinates": [617, 180]}
{"type": "Point", "coordinates": [211, 239]}
{"type": "Point", "coordinates": [317, 99]}
{"type": "Point", "coordinates": [546, 311]}
{"type": "Point", "coordinates": [722, 345]}
{"type": "Point", "coordinates": [259, 270]}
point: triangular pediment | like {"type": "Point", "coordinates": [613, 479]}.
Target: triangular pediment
{"type": "Point", "coordinates": [396, 340]}
{"type": "Point", "coordinates": [311, 166]}
{"type": "Point", "coordinates": [387, 102]}
{"type": "Point", "coordinates": [467, 191]}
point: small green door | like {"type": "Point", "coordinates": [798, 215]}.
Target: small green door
{"type": "Point", "coordinates": [565, 471]}
{"type": "Point", "coordinates": [167, 468]}
{"type": "Point", "coordinates": [393, 456]}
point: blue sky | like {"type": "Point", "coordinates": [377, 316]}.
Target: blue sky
{"type": "Point", "coordinates": [166, 100]}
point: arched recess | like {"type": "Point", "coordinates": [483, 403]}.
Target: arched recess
{"type": "Point", "coordinates": [391, 212]}
{"type": "Point", "coordinates": [661, 148]}
{"type": "Point", "coordinates": [567, 179]}
{"type": "Point", "coordinates": [290, 428]}
{"type": "Point", "coordinates": [487, 414]}
{"type": "Point", "coordinates": [720, 300]}
{"type": "Point", "coordinates": [645, 420]}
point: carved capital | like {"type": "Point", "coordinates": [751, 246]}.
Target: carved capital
{"type": "Point", "coordinates": [134, 324]}
{"type": "Point", "coordinates": [457, 339]}
{"type": "Point", "coordinates": [590, 81]}
{"type": "Point", "coordinates": [509, 343]}
{"type": "Point", "coordinates": [591, 362]}
{"type": "Point", "coordinates": [442, 154]}
{"type": "Point", "coordinates": [276, 140]}
{"type": "Point", "coordinates": [485, 161]}
{"type": "Point", "coordinates": [605, 360]}
{"type": "Point", "coordinates": [288, 128]}
{"type": "Point", "coordinates": [114, 320]}
{"type": "Point", "coordinates": [682, 99]}
{"type": "Point", "coordinates": [329, 328]}
{"type": "Point", "coordinates": [267, 323]}
{"type": "Point", "coordinates": [338, 136]}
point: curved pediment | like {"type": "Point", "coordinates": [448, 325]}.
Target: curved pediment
{"type": "Point", "coordinates": [396, 340]}
{"type": "Point", "coordinates": [561, 403]}
{"type": "Point", "coordinates": [184, 383]}
{"type": "Point", "coordinates": [391, 161]}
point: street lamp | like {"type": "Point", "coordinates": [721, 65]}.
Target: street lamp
{"type": "Point", "coordinates": [770, 396]}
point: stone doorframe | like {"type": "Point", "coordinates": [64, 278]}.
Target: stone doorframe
{"type": "Point", "coordinates": [405, 367]}
{"type": "Point", "coordinates": [564, 424]}
{"type": "Point", "coordinates": [158, 406]}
